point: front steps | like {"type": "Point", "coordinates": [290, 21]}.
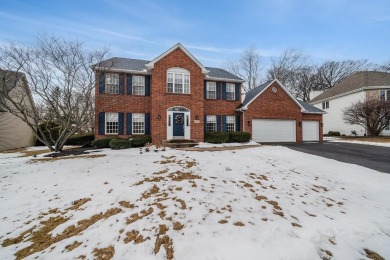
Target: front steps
{"type": "Point", "coordinates": [180, 143]}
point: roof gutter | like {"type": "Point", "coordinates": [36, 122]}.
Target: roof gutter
{"type": "Point", "coordinates": [225, 79]}
{"type": "Point", "coordinates": [143, 72]}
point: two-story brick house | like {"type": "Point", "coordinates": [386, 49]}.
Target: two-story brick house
{"type": "Point", "coordinates": [171, 97]}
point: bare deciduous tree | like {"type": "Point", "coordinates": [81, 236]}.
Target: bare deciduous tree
{"type": "Point", "coordinates": [372, 114]}
{"type": "Point", "coordinates": [285, 67]}
{"type": "Point", "coordinates": [61, 80]}
{"type": "Point", "coordinates": [332, 72]}
{"type": "Point", "coordinates": [248, 67]}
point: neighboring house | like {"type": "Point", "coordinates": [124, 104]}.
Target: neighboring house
{"type": "Point", "coordinates": [14, 132]}
{"type": "Point", "coordinates": [175, 97]}
{"type": "Point", "coordinates": [356, 87]}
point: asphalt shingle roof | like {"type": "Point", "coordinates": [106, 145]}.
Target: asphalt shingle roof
{"type": "Point", "coordinates": [356, 81]}
{"type": "Point", "coordinates": [134, 64]}
{"type": "Point", "coordinates": [250, 95]}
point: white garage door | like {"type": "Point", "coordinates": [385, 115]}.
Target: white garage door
{"type": "Point", "coordinates": [310, 131]}
{"type": "Point", "coordinates": [272, 130]}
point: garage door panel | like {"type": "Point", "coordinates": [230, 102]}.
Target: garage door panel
{"type": "Point", "coordinates": [310, 130]}
{"type": "Point", "coordinates": [273, 130]}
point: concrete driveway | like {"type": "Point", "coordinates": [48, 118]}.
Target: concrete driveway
{"type": "Point", "coordinates": [373, 157]}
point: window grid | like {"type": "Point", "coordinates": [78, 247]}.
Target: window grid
{"type": "Point", "coordinates": [230, 91]}
{"type": "Point", "coordinates": [138, 123]}
{"type": "Point", "coordinates": [211, 123]}
{"type": "Point", "coordinates": [325, 105]}
{"type": "Point", "coordinates": [385, 94]}
{"type": "Point", "coordinates": [111, 123]}
{"type": "Point", "coordinates": [112, 83]}
{"type": "Point", "coordinates": [178, 82]}
{"type": "Point", "coordinates": [230, 123]}
{"type": "Point", "coordinates": [138, 85]}
{"type": "Point", "coordinates": [211, 90]}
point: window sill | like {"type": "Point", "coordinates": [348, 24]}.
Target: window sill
{"type": "Point", "coordinates": [184, 94]}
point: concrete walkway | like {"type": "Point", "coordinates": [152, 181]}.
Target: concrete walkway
{"type": "Point", "coordinates": [214, 149]}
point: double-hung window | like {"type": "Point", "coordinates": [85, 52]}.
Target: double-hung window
{"type": "Point", "coordinates": [230, 91]}
{"type": "Point", "coordinates": [230, 123]}
{"type": "Point", "coordinates": [385, 94]}
{"type": "Point", "coordinates": [138, 85]}
{"type": "Point", "coordinates": [178, 81]}
{"type": "Point", "coordinates": [112, 83]}
{"type": "Point", "coordinates": [211, 90]}
{"type": "Point", "coordinates": [111, 123]}
{"type": "Point", "coordinates": [138, 123]}
{"type": "Point", "coordinates": [325, 105]}
{"type": "Point", "coordinates": [211, 123]}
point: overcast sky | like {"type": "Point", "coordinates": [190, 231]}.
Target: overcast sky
{"type": "Point", "coordinates": [214, 31]}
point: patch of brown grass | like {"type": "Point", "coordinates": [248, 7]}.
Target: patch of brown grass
{"type": "Point", "coordinates": [135, 217]}
{"type": "Point", "coordinates": [67, 158]}
{"type": "Point", "coordinates": [182, 203]}
{"type": "Point", "coordinates": [295, 224]}
{"type": "Point", "coordinates": [78, 203]}
{"type": "Point", "coordinates": [150, 192]}
{"type": "Point", "coordinates": [168, 246]}
{"type": "Point", "coordinates": [239, 224]}
{"type": "Point", "coordinates": [275, 204]}
{"type": "Point", "coordinates": [162, 229]}
{"type": "Point", "coordinates": [177, 226]}
{"type": "Point", "coordinates": [223, 221]}
{"type": "Point", "coordinates": [373, 255]}
{"type": "Point", "coordinates": [279, 213]}
{"type": "Point", "coordinates": [126, 204]}
{"type": "Point", "coordinates": [18, 239]}
{"type": "Point", "coordinates": [180, 176]}
{"type": "Point", "coordinates": [311, 215]}
{"type": "Point", "coordinates": [260, 198]}
{"type": "Point", "coordinates": [134, 236]}
{"type": "Point", "coordinates": [104, 253]}
{"type": "Point", "coordinates": [72, 246]}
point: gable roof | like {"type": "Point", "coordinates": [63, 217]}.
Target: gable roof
{"type": "Point", "coordinates": [251, 95]}
{"type": "Point", "coordinates": [10, 78]}
{"type": "Point", "coordinates": [150, 65]}
{"type": "Point", "coordinates": [356, 82]}
{"type": "Point", "coordinates": [118, 64]}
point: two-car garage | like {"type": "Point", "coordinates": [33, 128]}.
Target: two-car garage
{"type": "Point", "coordinates": [279, 130]}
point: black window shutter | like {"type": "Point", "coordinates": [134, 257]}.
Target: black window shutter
{"type": "Point", "coordinates": [129, 124]}
{"type": "Point", "coordinates": [120, 123]}
{"type": "Point", "coordinates": [147, 124]}
{"type": "Point", "coordinates": [224, 90]}
{"type": "Point", "coordinates": [205, 89]}
{"type": "Point", "coordinates": [205, 123]}
{"type": "Point", "coordinates": [121, 84]}
{"type": "Point", "coordinates": [218, 86]}
{"type": "Point", "coordinates": [237, 94]}
{"type": "Point", "coordinates": [101, 123]}
{"type": "Point", "coordinates": [238, 123]}
{"type": "Point", "coordinates": [224, 123]}
{"type": "Point", "coordinates": [129, 85]}
{"type": "Point", "coordinates": [102, 82]}
{"type": "Point", "coordinates": [147, 85]}
{"type": "Point", "coordinates": [219, 123]}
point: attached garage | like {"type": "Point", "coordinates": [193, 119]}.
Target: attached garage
{"type": "Point", "coordinates": [273, 130]}
{"type": "Point", "coordinates": [310, 131]}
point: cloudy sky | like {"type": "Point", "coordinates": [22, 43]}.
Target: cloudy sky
{"type": "Point", "coordinates": [214, 31]}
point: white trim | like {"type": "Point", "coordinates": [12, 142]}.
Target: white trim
{"type": "Point", "coordinates": [132, 123]}
{"type": "Point", "coordinates": [349, 92]}
{"type": "Point", "coordinates": [284, 89]}
{"type": "Point", "coordinates": [178, 71]}
{"type": "Point", "coordinates": [150, 65]}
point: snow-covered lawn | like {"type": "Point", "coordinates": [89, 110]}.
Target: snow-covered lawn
{"type": "Point", "coordinates": [361, 141]}
{"type": "Point", "coordinates": [265, 202]}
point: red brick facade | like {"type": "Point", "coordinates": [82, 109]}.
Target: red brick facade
{"type": "Point", "coordinates": [160, 101]}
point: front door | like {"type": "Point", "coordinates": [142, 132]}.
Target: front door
{"type": "Point", "coordinates": [178, 125]}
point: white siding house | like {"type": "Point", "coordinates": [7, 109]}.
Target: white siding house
{"type": "Point", "coordinates": [350, 90]}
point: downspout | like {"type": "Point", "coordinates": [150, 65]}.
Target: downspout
{"type": "Point", "coordinates": [243, 121]}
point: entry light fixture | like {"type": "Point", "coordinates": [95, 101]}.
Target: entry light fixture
{"type": "Point", "coordinates": [249, 122]}
{"type": "Point", "coordinates": [159, 117]}
{"type": "Point", "coordinates": [300, 124]}
{"type": "Point", "coordinates": [197, 118]}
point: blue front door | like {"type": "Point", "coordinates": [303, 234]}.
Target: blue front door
{"type": "Point", "coordinates": [178, 124]}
